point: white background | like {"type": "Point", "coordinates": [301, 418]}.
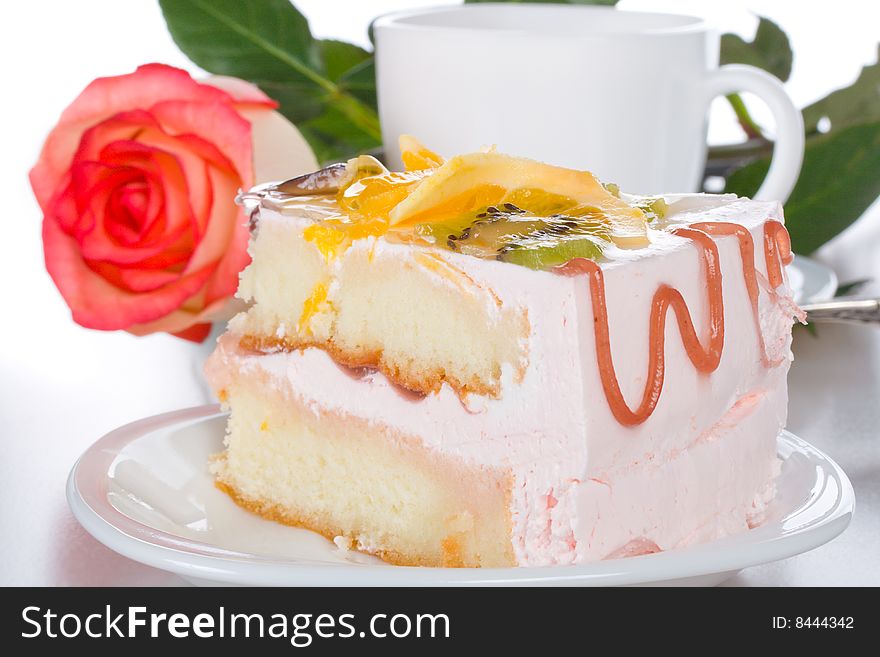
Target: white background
{"type": "Point", "coordinates": [62, 386]}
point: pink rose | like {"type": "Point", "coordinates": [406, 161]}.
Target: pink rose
{"type": "Point", "coordinates": [136, 184]}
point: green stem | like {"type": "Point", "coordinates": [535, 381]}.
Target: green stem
{"type": "Point", "coordinates": [752, 129]}
{"type": "Point", "coordinates": [361, 115]}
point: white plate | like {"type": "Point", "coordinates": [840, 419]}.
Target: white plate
{"type": "Point", "coordinates": [811, 281]}
{"type": "Point", "coordinates": [144, 490]}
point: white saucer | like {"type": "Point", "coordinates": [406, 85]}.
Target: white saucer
{"type": "Point", "coordinates": [144, 490]}
{"type": "Point", "coordinates": [811, 281]}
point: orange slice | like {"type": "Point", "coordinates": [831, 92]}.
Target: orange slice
{"type": "Point", "coordinates": [467, 183]}
{"type": "Point", "coordinates": [365, 198]}
{"type": "Point", "coordinates": [416, 155]}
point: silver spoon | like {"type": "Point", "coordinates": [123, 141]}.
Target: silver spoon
{"type": "Point", "coordinates": [860, 311]}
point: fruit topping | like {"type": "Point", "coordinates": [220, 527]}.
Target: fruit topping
{"type": "Point", "coordinates": [416, 155]}
{"type": "Point", "coordinates": [511, 234]}
{"type": "Point", "coordinates": [486, 205]}
{"type": "Point", "coordinates": [467, 184]}
{"type": "Point", "coordinates": [654, 207]}
{"type": "Point", "coordinates": [323, 181]}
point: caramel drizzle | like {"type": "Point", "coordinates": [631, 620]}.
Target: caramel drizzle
{"type": "Point", "coordinates": [705, 358]}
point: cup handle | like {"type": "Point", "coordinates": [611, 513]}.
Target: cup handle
{"type": "Point", "coordinates": [788, 150]}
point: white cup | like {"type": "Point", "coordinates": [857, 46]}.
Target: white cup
{"type": "Point", "coordinates": [622, 94]}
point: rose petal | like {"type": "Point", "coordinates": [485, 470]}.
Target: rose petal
{"type": "Point", "coordinates": [90, 184]}
{"type": "Point", "coordinates": [195, 333]}
{"type": "Point", "coordinates": [104, 97]}
{"type": "Point", "coordinates": [179, 320]}
{"type": "Point", "coordinates": [193, 154]}
{"type": "Point", "coordinates": [135, 280]}
{"type": "Point", "coordinates": [224, 281]}
{"type": "Point", "coordinates": [137, 183]}
{"type": "Point", "coordinates": [153, 164]}
{"type": "Point", "coordinates": [164, 172]}
{"type": "Point", "coordinates": [224, 215]}
{"type": "Point", "coordinates": [217, 124]}
{"type": "Point", "coordinates": [148, 85]}
{"type": "Point", "coordinates": [280, 150]}
{"type": "Point", "coordinates": [197, 157]}
{"type": "Point", "coordinates": [122, 126]}
{"type": "Point", "coordinates": [244, 93]}
{"type": "Point", "coordinates": [225, 244]}
{"type": "Point", "coordinates": [94, 301]}
{"type": "Point", "coordinates": [129, 204]}
{"type": "Point", "coordinates": [226, 239]}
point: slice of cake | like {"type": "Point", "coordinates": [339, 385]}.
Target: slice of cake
{"type": "Point", "coordinates": [490, 361]}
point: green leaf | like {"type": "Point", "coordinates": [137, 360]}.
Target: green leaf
{"type": "Point", "coordinates": [607, 3]}
{"type": "Point", "coordinates": [360, 82]}
{"type": "Point", "coordinates": [839, 180]}
{"type": "Point", "coordinates": [770, 50]}
{"type": "Point", "coordinates": [856, 103]}
{"type": "Point", "coordinates": [269, 43]}
{"type": "Point", "coordinates": [263, 39]}
{"type": "Point", "coordinates": [746, 180]}
{"type": "Point", "coordinates": [810, 328]}
{"type": "Point", "coordinates": [851, 287]}
{"type": "Point", "coordinates": [332, 134]}
{"type": "Point", "coordinates": [339, 57]}
{"type": "Point", "coordinates": [299, 102]}
{"type": "Point", "coordinates": [334, 138]}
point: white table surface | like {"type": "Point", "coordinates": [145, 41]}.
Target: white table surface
{"type": "Point", "coordinates": [62, 386]}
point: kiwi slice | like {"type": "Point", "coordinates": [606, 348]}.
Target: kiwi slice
{"type": "Point", "coordinates": [485, 238]}
{"type": "Point", "coordinates": [440, 232]}
{"type": "Point", "coordinates": [654, 207]}
{"type": "Point", "coordinates": [479, 232]}
{"type": "Point", "coordinates": [545, 254]}
{"type": "Point", "coordinates": [511, 234]}
{"type": "Point", "coordinates": [534, 242]}
{"type": "Point", "coordinates": [612, 188]}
